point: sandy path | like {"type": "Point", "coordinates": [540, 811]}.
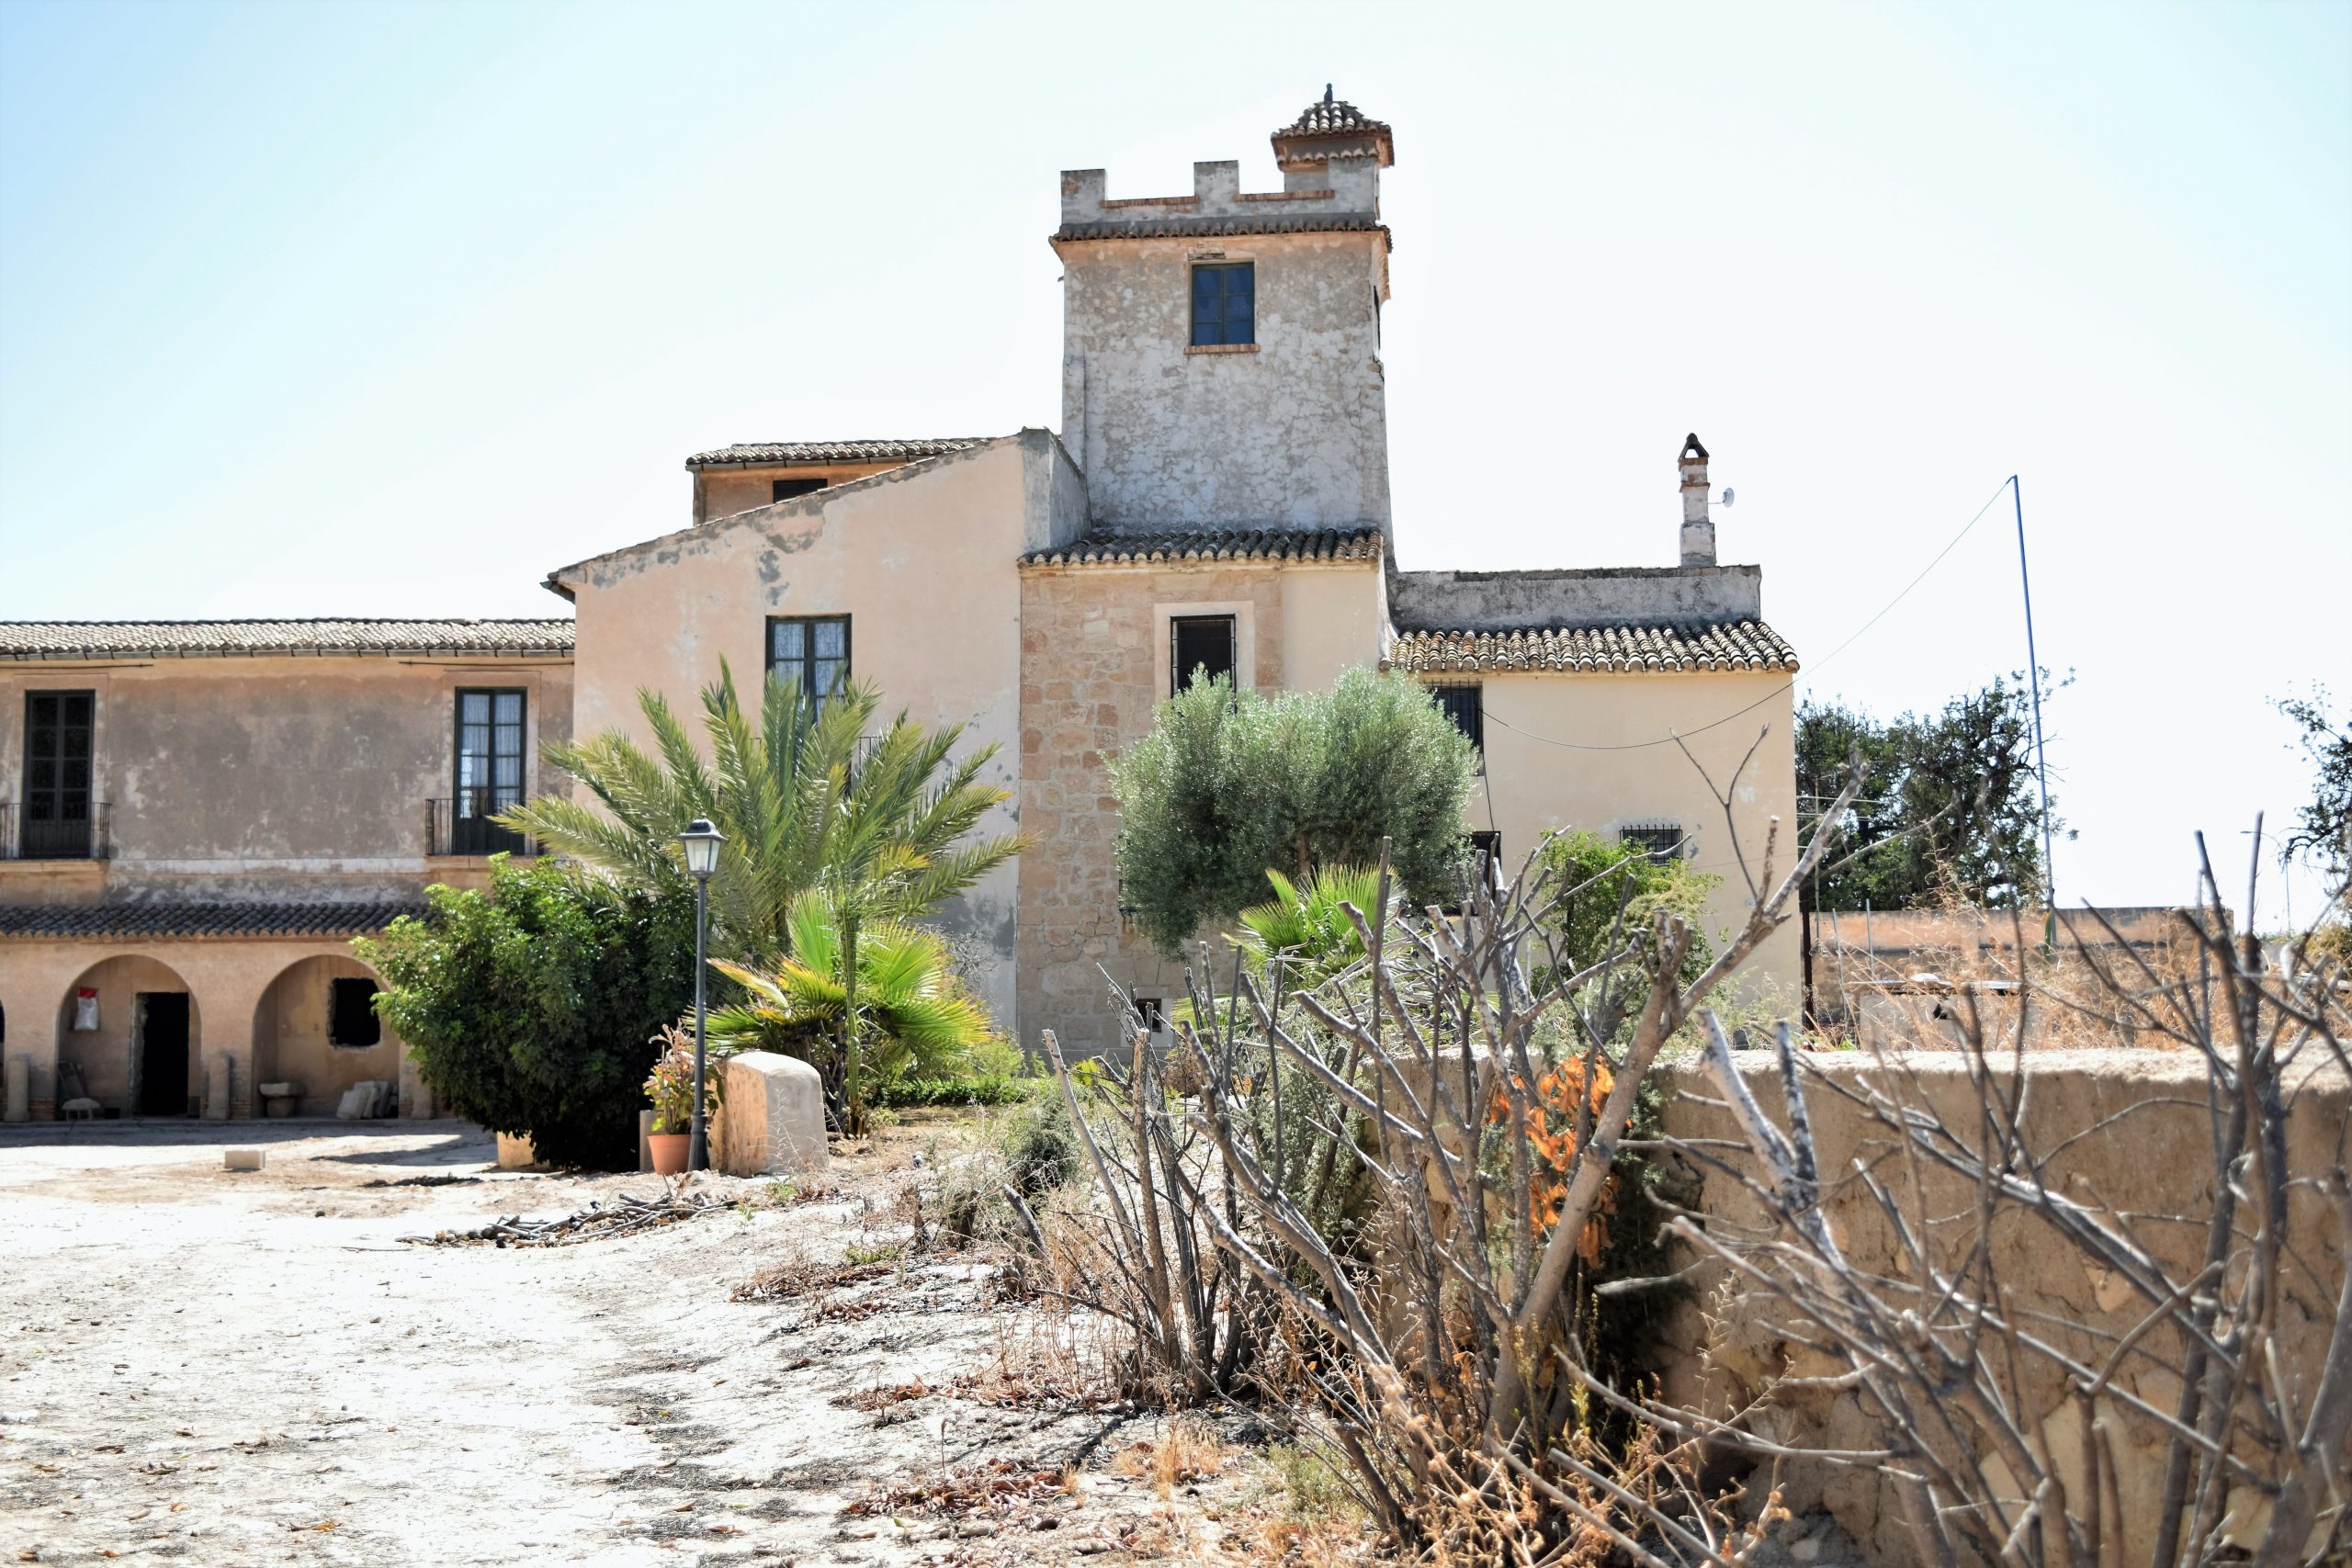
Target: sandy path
{"type": "Point", "coordinates": [220, 1368]}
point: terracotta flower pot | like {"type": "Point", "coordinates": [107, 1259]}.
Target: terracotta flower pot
{"type": "Point", "coordinates": [669, 1151]}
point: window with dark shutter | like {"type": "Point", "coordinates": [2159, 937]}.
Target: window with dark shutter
{"type": "Point", "coordinates": [1201, 648]}
{"type": "Point", "coordinates": [490, 770]}
{"type": "Point", "coordinates": [59, 730]}
{"type": "Point", "coordinates": [1489, 850]}
{"type": "Point", "coordinates": [1464, 702]}
{"type": "Point", "coordinates": [810, 652]}
{"type": "Point", "coordinates": [784, 489]}
{"type": "Point", "coordinates": [1224, 303]}
{"type": "Point", "coordinates": [351, 1012]}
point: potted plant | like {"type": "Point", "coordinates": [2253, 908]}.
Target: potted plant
{"type": "Point", "coordinates": [672, 1090]}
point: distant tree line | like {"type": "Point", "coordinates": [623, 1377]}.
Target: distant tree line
{"type": "Point", "coordinates": [1952, 811]}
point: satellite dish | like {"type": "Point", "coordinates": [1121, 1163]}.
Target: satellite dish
{"type": "Point", "coordinates": [1727, 494]}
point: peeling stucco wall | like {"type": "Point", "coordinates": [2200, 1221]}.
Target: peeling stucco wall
{"type": "Point", "coordinates": [921, 557]}
{"type": "Point", "coordinates": [304, 779]}
{"type": "Point", "coordinates": [1624, 595]}
{"type": "Point", "coordinates": [1725, 1347]}
{"type": "Point", "coordinates": [1293, 433]}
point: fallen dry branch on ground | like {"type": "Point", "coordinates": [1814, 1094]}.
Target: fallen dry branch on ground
{"type": "Point", "coordinates": [625, 1216]}
{"type": "Point", "coordinates": [998, 1485]}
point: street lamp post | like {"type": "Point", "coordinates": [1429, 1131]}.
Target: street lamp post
{"type": "Point", "coordinates": [701, 842]}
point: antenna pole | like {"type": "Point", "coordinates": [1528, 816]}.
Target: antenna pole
{"type": "Point", "coordinates": [2040, 757]}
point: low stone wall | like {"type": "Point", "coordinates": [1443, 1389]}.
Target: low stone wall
{"type": "Point", "coordinates": [2141, 1143]}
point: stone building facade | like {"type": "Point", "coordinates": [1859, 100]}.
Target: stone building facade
{"type": "Point", "coordinates": [204, 814]}
{"type": "Point", "coordinates": [1218, 494]}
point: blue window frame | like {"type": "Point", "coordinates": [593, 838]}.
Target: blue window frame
{"type": "Point", "coordinates": [1224, 303]}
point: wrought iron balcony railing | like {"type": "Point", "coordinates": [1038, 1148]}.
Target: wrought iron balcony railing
{"type": "Point", "coordinates": [26, 837]}
{"type": "Point", "coordinates": [461, 825]}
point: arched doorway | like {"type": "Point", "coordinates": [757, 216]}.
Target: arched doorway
{"type": "Point", "coordinates": [316, 1026]}
{"type": "Point", "coordinates": [130, 1037]}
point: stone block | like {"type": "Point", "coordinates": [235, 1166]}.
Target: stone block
{"type": "Point", "coordinates": [19, 1075]}
{"type": "Point", "coordinates": [771, 1117]}
{"type": "Point", "coordinates": [516, 1154]}
{"type": "Point", "coordinates": [244, 1159]}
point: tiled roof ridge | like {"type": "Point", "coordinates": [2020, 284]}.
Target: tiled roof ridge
{"type": "Point", "coordinates": [1692, 646]}
{"type": "Point", "coordinates": [190, 919]}
{"type": "Point", "coordinates": [1172, 545]}
{"type": "Point", "coordinates": [1222, 228]}
{"type": "Point", "coordinates": [353, 635]}
{"type": "Point", "coordinates": [881, 449]}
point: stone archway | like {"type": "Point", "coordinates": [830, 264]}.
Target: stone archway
{"type": "Point", "coordinates": [141, 1055]}
{"type": "Point", "coordinates": [313, 1027]}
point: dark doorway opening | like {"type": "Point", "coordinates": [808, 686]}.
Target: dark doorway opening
{"type": "Point", "coordinates": [162, 1054]}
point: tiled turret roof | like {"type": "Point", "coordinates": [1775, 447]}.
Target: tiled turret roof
{"type": "Point", "coordinates": [303, 638]}
{"type": "Point", "coordinates": [1738, 644]}
{"type": "Point", "coordinates": [1201, 545]}
{"type": "Point", "coordinates": [1333, 128]}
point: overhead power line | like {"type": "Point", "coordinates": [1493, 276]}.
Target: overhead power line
{"type": "Point", "coordinates": [1672, 736]}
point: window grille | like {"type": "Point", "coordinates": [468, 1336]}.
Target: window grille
{"type": "Point", "coordinates": [1202, 648]}
{"type": "Point", "coordinates": [1662, 841]}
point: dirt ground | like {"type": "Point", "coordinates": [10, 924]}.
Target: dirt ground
{"type": "Point", "coordinates": [222, 1368]}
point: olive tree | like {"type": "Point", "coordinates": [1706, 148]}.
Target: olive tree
{"type": "Point", "coordinates": [1230, 784]}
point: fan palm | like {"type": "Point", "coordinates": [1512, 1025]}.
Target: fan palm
{"type": "Point", "coordinates": [807, 796]}
{"type": "Point", "coordinates": [863, 1011]}
{"type": "Point", "coordinates": [1307, 928]}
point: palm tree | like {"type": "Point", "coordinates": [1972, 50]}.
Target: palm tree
{"type": "Point", "coordinates": [1306, 928]}
{"type": "Point", "coordinates": [864, 1013]}
{"type": "Point", "coordinates": [809, 798]}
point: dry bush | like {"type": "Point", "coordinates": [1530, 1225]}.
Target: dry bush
{"type": "Point", "coordinates": [1185, 1451]}
{"type": "Point", "coordinates": [1383, 1202]}
{"type": "Point", "coordinates": [2010, 1432]}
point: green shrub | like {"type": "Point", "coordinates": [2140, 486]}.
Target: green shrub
{"type": "Point", "coordinates": [1231, 784]}
{"type": "Point", "coordinates": [992, 1090]}
{"type": "Point", "coordinates": [1593, 879]}
{"type": "Point", "coordinates": [1041, 1148]}
{"type": "Point", "coordinates": [532, 1009]}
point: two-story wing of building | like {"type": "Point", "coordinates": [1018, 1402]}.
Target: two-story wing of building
{"type": "Point", "coordinates": [1218, 497]}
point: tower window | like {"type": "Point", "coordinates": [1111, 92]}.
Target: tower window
{"type": "Point", "coordinates": [1224, 303]}
{"type": "Point", "coordinates": [1199, 647]}
{"type": "Point", "coordinates": [784, 489]}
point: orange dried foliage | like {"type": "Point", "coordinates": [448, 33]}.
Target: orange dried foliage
{"type": "Point", "coordinates": [1560, 1094]}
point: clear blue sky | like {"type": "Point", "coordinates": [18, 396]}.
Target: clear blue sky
{"type": "Point", "coordinates": [388, 309]}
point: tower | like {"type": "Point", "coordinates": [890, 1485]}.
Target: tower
{"type": "Point", "coordinates": [1221, 350]}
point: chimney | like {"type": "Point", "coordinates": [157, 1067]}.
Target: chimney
{"type": "Point", "coordinates": [1698, 528]}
